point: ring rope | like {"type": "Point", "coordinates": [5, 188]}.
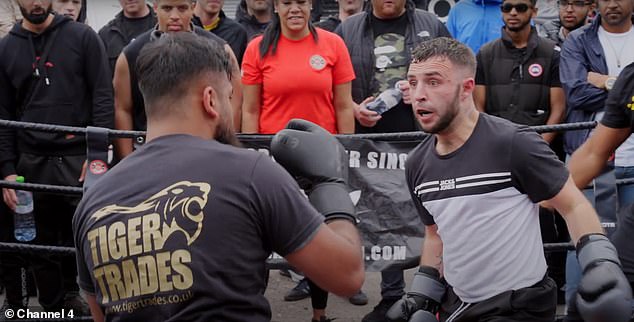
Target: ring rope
{"type": "Point", "coordinates": [38, 187]}
{"type": "Point", "coordinates": [77, 191]}
{"type": "Point", "coordinates": [17, 125]}
{"type": "Point", "coordinates": [274, 262]}
{"type": "Point", "coordinates": [406, 136]}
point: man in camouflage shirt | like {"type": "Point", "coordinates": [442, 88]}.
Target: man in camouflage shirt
{"type": "Point", "coordinates": [380, 40]}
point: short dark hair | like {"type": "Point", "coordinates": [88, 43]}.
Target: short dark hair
{"type": "Point", "coordinates": [167, 66]}
{"type": "Point", "coordinates": [458, 53]}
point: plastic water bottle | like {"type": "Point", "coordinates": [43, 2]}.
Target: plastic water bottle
{"type": "Point", "coordinates": [23, 218]}
{"type": "Point", "coordinates": [386, 100]}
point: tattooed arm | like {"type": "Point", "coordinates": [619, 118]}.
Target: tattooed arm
{"type": "Point", "coordinates": [432, 249]}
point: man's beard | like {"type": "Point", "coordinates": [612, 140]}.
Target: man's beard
{"type": "Point", "coordinates": [446, 119]}
{"type": "Point", "coordinates": [615, 21]}
{"type": "Point", "coordinates": [226, 135]}
{"type": "Point", "coordinates": [577, 26]}
{"type": "Point", "coordinates": [519, 28]}
{"type": "Point", "coordinates": [37, 18]}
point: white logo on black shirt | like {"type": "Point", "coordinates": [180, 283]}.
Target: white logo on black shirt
{"type": "Point", "coordinates": [448, 184]}
{"type": "Point", "coordinates": [462, 182]}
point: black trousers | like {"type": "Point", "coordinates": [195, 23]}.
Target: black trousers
{"type": "Point", "coordinates": [318, 296]}
{"type": "Point", "coordinates": [537, 303]}
{"type": "Point", "coordinates": [55, 275]}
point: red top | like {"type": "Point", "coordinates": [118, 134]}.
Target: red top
{"type": "Point", "coordinates": [298, 81]}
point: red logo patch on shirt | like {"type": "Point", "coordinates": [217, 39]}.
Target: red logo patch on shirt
{"type": "Point", "coordinates": [535, 70]}
{"type": "Point", "coordinates": [317, 62]}
{"type": "Point", "coordinates": [98, 167]}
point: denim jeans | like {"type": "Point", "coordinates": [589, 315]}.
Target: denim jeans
{"type": "Point", "coordinates": [626, 192]}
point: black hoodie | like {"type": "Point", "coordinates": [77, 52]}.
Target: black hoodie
{"type": "Point", "coordinates": [73, 88]}
{"type": "Point", "coordinates": [249, 22]}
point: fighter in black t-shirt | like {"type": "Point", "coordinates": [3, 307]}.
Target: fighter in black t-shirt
{"type": "Point", "coordinates": [588, 161]}
{"type": "Point", "coordinates": [476, 181]}
{"type": "Point", "coordinates": [180, 230]}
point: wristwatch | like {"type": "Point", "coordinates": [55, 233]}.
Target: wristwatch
{"type": "Point", "coordinates": [609, 83]}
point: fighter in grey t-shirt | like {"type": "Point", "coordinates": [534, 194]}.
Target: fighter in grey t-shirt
{"type": "Point", "coordinates": [475, 181]}
{"type": "Point", "coordinates": [483, 198]}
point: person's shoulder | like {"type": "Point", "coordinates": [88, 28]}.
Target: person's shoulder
{"type": "Point", "coordinates": [201, 149]}
{"type": "Point", "coordinates": [547, 43]}
{"type": "Point", "coordinates": [233, 24]}
{"type": "Point", "coordinates": [81, 32]}
{"type": "Point", "coordinates": [501, 127]}
{"type": "Point", "coordinates": [354, 20]}
{"type": "Point", "coordinates": [548, 48]}
{"type": "Point", "coordinates": [77, 27]}
{"type": "Point", "coordinates": [328, 35]}
{"type": "Point", "coordinates": [209, 35]}
{"type": "Point", "coordinates": [112, 24]}
{"type": "Point", "coordinates": [255, 41]}
{"type": "Point", "coordinates": [426, 16]}
{"type": "Point", "coordinates": [489, 47]}
{"type": "Point", "coordinates": [424, 13]}
{"type": "Point", "coordinates": [330, 23]}
{"type": "Point", "coordinates": [580, 33]}
{"type": "Point", "coordinates": [419, 151]}
{"type": "Point", "coordinates": [137, 43]}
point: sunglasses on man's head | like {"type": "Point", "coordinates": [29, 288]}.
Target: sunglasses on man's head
{"type": "Point", "coordinates": [520, 7]}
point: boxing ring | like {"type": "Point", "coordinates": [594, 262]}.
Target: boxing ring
{"type": "Point", "coordinates": [98, 142]}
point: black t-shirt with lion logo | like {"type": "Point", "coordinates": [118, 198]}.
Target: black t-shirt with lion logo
{"type": "Point", "coordinates": [180, 231]}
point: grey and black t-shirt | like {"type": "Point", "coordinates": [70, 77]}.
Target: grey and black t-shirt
{"type": "Point", "coordinates": [482, 197]}
{"type": "Point", "coordinates": [180, 231]}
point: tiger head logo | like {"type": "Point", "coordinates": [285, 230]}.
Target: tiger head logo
{"type": "Point", "coordinates": [180, 205]}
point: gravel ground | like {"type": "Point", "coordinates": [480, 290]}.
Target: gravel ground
{"type": "Point", "coordinates": [299, 311]}
{"type": "Point", "coordinates": [338, 308]}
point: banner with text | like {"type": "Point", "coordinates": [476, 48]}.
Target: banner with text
{"type": "Point", "coordinates": [390, 227]}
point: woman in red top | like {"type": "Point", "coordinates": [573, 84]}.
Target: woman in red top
{"type": "Point", "coordinates": [295, 70]}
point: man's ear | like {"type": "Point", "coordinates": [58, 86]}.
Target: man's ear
{"type": "Point", "coordinates": [468, 86]}
{"type": "Point", "coordinates": [535, 9]}
{"type": "Point", "coordinates": [210, 101]}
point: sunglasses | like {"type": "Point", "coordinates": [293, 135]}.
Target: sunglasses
{"type": "Point", "coordinates": [563, 4]}
{"type": "Point", "coordinates": [520, 7]}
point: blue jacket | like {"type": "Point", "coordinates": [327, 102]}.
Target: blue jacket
{"type": "Point", "coordinates": [475, 22]}
{"type": "Point", "coordinates": [582, 53]}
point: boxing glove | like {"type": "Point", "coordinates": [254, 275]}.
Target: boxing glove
{"type": "Point", "coordinates": [320, 165]}
{"type": "Point", "coordinates": [423, 316]}
{"type": "Point", "coordinates": [604, 294]}
{"type": "Point", "coordinates": [425, 294]}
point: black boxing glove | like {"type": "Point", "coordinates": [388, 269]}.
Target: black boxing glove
{"type": "Point", "coordinates": [319, 163]}
{"type": "Point", "coordinates": [423, 316]}
{"type": "Point", "coordinates": [425, 294]}
{"type": "Point", "coordinates": [604, 293]}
